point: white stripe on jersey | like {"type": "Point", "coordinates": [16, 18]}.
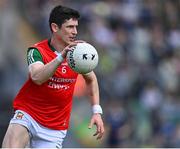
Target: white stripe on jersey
{"type": "Point", "coordinates": [30, 56]}
{"type": "Point", "coordinates": [29, 60]}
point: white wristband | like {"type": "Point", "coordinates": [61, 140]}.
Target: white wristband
{"type": "Point", "coordinates": [97, 109]}
{"type": "Point", "coordinates": [59, 57]}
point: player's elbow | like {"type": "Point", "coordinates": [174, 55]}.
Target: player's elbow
{"type": "Point", "coordinates": [36, 80]}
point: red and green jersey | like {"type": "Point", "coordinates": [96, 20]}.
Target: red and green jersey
{"type": "Point", "coordinates": [49, 104]}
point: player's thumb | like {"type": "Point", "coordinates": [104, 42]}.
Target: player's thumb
{"type": "Point", "coordinates": [90, 124]}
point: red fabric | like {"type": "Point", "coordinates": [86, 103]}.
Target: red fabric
{"type": "Point", "coordinates": [49, 104]}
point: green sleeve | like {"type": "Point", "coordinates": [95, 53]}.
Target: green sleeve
{"type": "Point", "coordinates": [33, 55]}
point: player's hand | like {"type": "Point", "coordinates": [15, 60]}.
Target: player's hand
{"type": "Point", "coordinates": [97, 120]}
{"type": "Point", "coordinates": [70, 47]}
{"type": "Point", "coordinates": [79, 41]}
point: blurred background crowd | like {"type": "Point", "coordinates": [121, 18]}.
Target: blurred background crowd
{"type": "Point", "coordinates": [138, 42]}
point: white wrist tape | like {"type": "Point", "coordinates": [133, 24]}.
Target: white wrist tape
{"type": "Point", "coordinates": [97, 109]}
{"type": "Point", "coordinates": [59, 57]}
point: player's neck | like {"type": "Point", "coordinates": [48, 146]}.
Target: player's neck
{"type": "Point", "coordinates": [58, 45]}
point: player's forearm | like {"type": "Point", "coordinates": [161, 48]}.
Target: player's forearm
{"type": "Point", "coordinates": [92, 88]}
{"type": "Point", "coordinates": [43, 73]}
{"type": "Point", "coordinates": [93, 92]}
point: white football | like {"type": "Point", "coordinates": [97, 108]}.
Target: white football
{"type": "Point", "coordinates": [83, 58]}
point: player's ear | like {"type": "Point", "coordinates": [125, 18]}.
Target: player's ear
{"type": "Point", "coordinates": [54, 27]}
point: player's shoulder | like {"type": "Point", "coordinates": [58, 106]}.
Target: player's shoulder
{"type": "Point", "coordinates": [32, 50]}
{"type": "Point", "coordinates": [40, 43]}
{"type": "Point", "coordinates": [33, 55]}
{"type": "Point", "coordinates": [38, 46]}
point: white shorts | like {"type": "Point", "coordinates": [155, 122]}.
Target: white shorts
{"type": "Point", "coordinates": [40, 136]}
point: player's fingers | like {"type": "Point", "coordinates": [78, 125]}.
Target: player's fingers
{"type": "Point", "coordinates": [69, 48]}
{"type": "Point", "coordinates": [96, 133]}
{"type": "Point", "coordinates": [99, 136]}
{"type": "Point", "coordinates": [80, 41]}
{"type": "Point", "coordinates": [72, 45]}
{"type": "Point", "coordinates": [101, 132]}
{"type": "Point", "coordinates": [98, 129]}
{"type": "Point", "coordinates": [91, 124]}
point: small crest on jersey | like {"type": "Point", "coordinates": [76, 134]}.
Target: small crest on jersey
{"type": "Point", "coordinates": [19, 115]}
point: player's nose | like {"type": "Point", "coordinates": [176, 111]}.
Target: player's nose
{"type": "Point", "coordinates": [74, 31]}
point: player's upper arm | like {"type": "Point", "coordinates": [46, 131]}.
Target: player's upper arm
{"type": "Point", "coordinates": [34, 60]}
{"type": "Point", "coordinates": [33, 56]}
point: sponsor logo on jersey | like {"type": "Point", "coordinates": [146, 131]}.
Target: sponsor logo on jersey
{"type": "Point", "coordinates": [60, 83]}
{"type": "Point", "coordinates": [63, 80]}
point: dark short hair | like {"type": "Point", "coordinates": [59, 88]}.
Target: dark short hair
{"type": "Point", "coordinates": [60, 14]}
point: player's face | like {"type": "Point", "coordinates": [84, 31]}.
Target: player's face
{"type": "Point", "coordinates": [68, 31]}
